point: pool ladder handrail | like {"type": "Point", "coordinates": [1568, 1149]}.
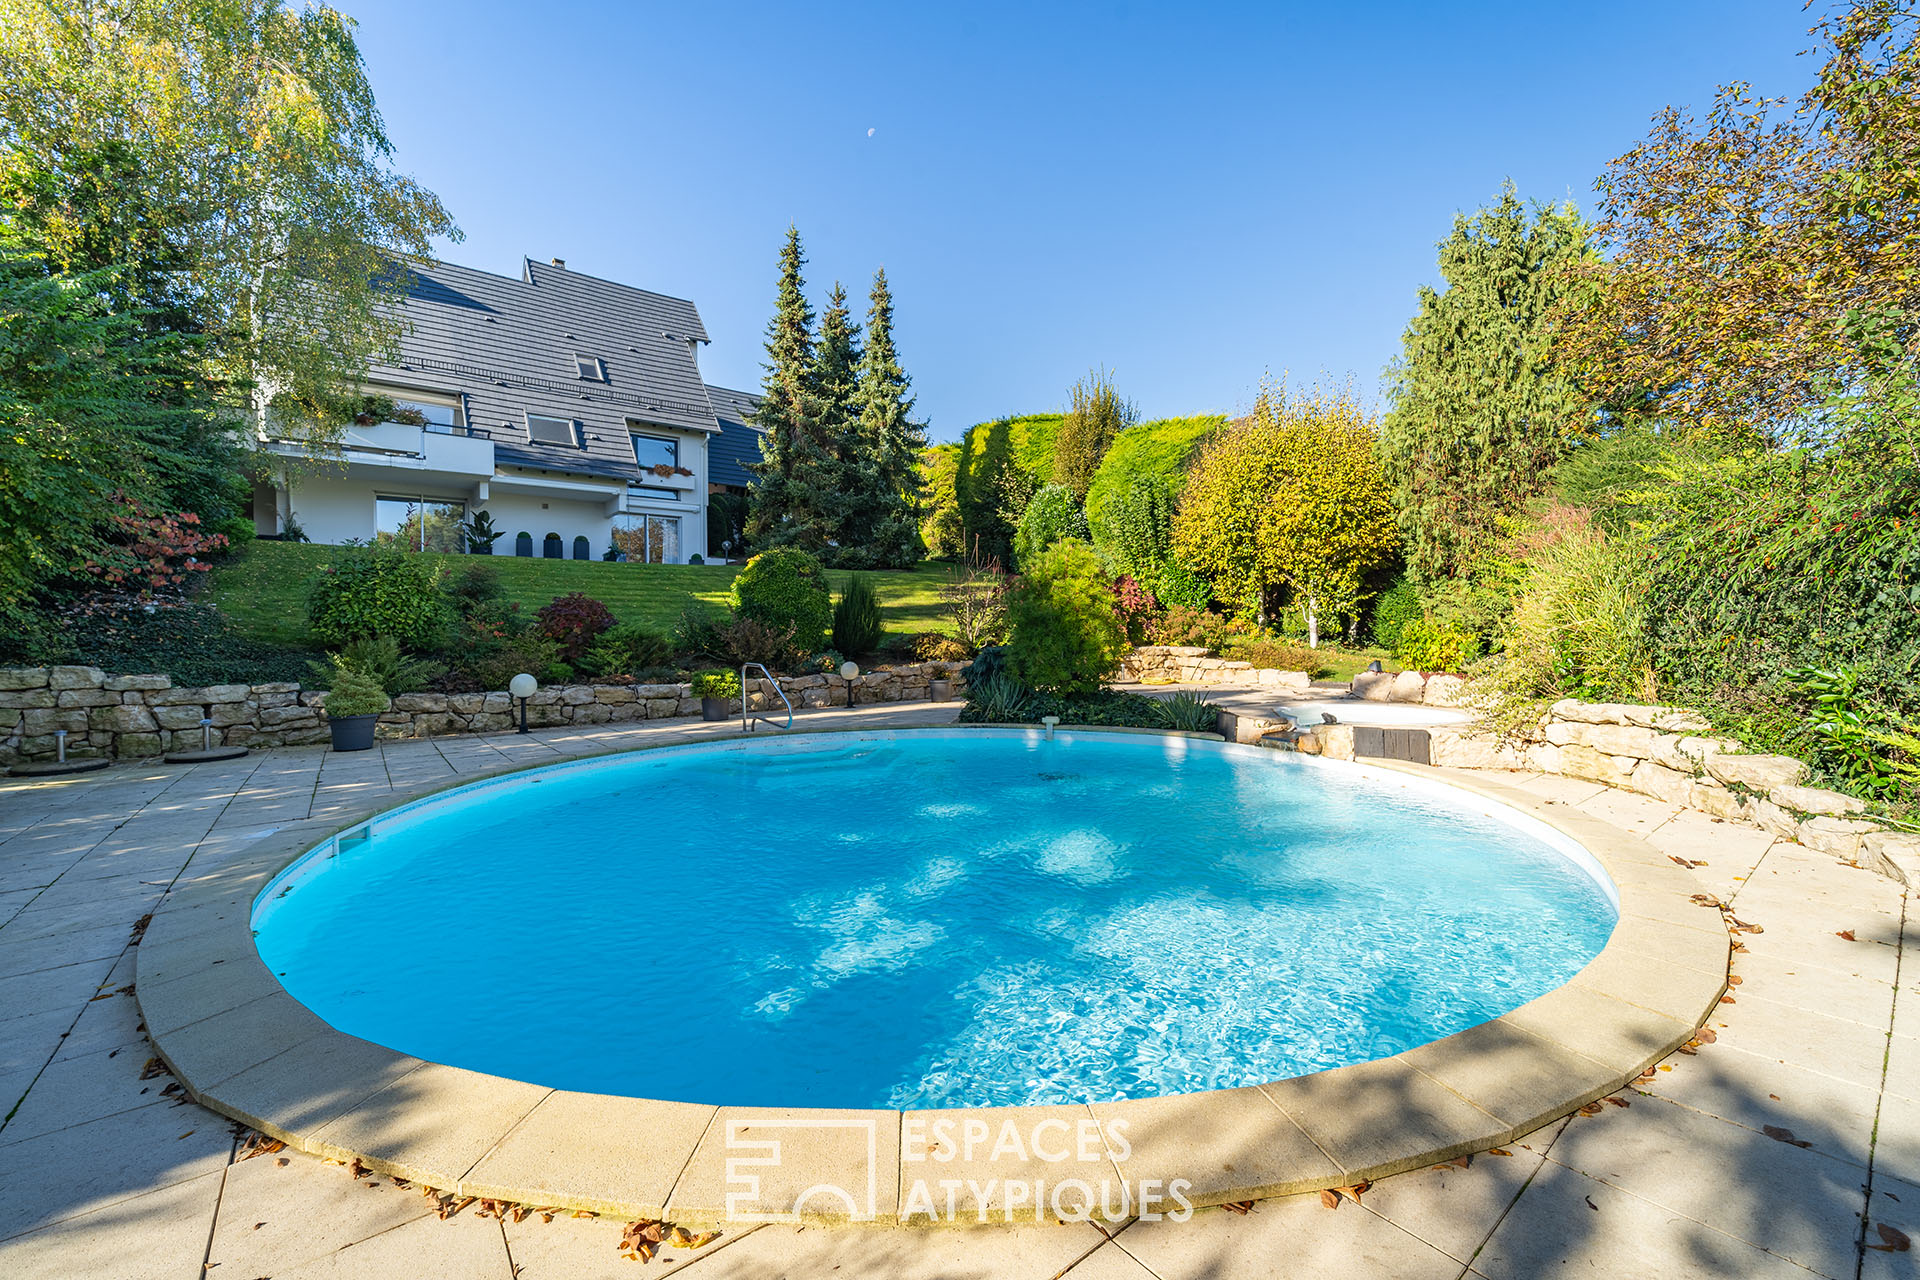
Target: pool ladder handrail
{"type": "Point", "coordinates": [748, 717]}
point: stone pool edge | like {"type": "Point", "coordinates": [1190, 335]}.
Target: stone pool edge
{"type": "Point", "coordinates": [242, 1046]}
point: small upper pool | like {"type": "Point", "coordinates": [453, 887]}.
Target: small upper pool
{"type": "Point", "coordinates": [932, 918]}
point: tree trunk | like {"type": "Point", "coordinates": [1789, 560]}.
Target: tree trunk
{"type": "Point", "coordinates": [1313, 624]}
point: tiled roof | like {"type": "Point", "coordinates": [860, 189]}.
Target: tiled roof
{"type": "Point", "coordinates": [738, 444]}
{"type": "Point", "coordinates": [509, 346]}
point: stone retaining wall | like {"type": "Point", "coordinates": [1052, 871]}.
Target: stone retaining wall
{"type": "Point", "coordinates": [1665, 752]}
{"type": "Point", "coordinates": [147, 715]}
{"type": "Point", "coordinates": [1191, 665]}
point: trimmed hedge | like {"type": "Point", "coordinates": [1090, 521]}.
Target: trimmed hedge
{"type": "Point", "coordinates": [1160, 448]}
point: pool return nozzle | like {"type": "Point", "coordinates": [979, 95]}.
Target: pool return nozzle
{"type": "Point", "coordinates": [1051, 723]}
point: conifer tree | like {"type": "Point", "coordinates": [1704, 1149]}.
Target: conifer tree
{"type": "Point", "coordinates": [836, 376]}
{"type": "Point", "coordinates": [794, 498]}
{"type": "Point", "coordinates": [1480, 413]}
{"type": "Point", "coordinates": [886, 518]}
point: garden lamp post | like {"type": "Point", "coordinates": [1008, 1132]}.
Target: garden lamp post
{"type": "Point", "coordinates": [848, 670]}
{"type": "Point", "coordinates": [523, 686]}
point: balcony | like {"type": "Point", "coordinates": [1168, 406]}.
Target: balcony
{"type": "Point", "coordinates": [388, 449]}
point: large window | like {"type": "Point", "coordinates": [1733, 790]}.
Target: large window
{"type": "Point", "coordinates": [647, 539]}
{"type": "Point", "coordinates": [656, 451]}
{"type": "Point", "coordinates": [419, 524]}
{"type": "Point", "coordinates": [436, 416]}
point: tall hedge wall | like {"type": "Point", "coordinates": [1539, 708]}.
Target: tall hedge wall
{"type": "Point", "coordinates": [1150, 448]}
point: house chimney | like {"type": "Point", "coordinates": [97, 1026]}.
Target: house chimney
{"type": "Point", "coordinates": [560, 263]}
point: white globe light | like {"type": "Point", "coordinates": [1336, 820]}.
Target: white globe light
{"type": "Point", "coordinates": [848, 670]}
{"type": "Point", "coordinates": [523, 686]}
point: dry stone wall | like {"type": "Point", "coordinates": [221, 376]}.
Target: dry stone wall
{"type": "Point", "coordinates": [1667, 753]}
{"type": "Point", "coordinates": [148, 715]}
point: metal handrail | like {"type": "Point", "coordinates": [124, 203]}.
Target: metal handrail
{"type": "Point", "coordinates": [746, 720]}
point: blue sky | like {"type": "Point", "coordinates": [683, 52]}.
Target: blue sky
{"type": "Point", "coordinates": [1186, 195]}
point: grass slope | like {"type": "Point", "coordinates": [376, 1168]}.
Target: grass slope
{"type": "Point", "coordinates": [263, 588]}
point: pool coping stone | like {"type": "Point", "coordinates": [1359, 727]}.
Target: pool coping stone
{"type": "Point", "coordinates": [243, 1047]}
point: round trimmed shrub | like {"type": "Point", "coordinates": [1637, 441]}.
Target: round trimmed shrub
{"type": "Point", "coordinates": [785, 588]}
{"type": "Point", "coordinates": [1067, 636]}
{"type": "Point", "coordinates": [385, 593]}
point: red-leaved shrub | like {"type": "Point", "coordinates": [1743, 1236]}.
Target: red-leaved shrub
{"type": "Point", "coordinates": [573, 621]}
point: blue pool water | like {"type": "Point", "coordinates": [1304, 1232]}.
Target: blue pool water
{"type": "Point", "coordinates": [946, 918]}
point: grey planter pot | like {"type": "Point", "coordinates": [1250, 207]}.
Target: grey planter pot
{"type": "Point", "coordinates": [353, 733]}
{"type": "Point", "coordinates": [940, 690]}
{"type": "Point", "coordinates": [716, 708]}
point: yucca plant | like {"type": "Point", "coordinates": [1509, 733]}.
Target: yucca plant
{"type": "Point", "coordinates": [1191, 713]}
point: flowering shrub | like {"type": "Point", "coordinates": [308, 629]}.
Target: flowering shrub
{"type": "Point", "coordinates": [150, 552]}
{"type": "Point", "coordinates": [573, 621]}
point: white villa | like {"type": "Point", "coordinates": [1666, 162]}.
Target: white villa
{"type": "Point", "coordinates": [568, 408]}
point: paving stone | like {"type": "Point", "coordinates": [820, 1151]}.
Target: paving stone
{"type": "Point", "coordinates": [73, 1171]}
{"type": "Point", "coordinates": [1897, 1204]}
{"type": "Point", "coordinates": [855, 1154]}
{"type": "Point", "coordinates": [61, 990]}
{"type": "Point", "coordinates": [1747, 1089]}
{"type": "Point", "coordinates": [279, 1211]}
{"type": "Point", "coordinates": [1455, 1209]}
{"type": "Point", "coordinates": [465, 1247]}
{"type": "Point", "coordinates": [1796, 1203]}
{"type": "Point", "coordinates": [1568, 1224]}
{"type": "Point", "coordinates": [571, 1248]}
{"type": "Point", "coordinates": [431, 1125]}
{"type": "Point", "coordinates": [74, 1090]}
{"type": "Point", "coordinates": [1225, 1144]}
{"type": "Point", "coordinates": [157, 1235]}
{"type": "Point", "coordinates": [1295, 1238]}
{"type": "Point", "coordinates": [1839, 1047]}
{"type": "Point", "coordinates": [994, 1252]}
{"type": "Point", "coordinates": [616, 1151]}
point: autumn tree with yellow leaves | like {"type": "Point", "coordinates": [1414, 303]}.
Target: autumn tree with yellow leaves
{"type": "Point", "coordinates": [1286, 508]}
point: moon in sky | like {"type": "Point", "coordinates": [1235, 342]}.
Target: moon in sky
{"type": "Point", "coordinates": [869, 133]}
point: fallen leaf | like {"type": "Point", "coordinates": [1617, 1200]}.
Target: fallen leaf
{"type": "Point", "coordinates": [1706, 1035]}
{"type": "Point", "coordinates": [1619, 1102]}
{"type": "Point", "coordinates": [1329, 1199]}
{"type": "Point", "coordinates": [1666, 1066]}
{"type": "Point", "coordinates": [1590, 1204]}
{"type": "Point", "coordinates": [1895, 1240]}
{"type": "Point", "coordinates": [1847, 934]}
{"type": "Point", "coordinates": [1353, 1193]}
{"type": "Point", "coordinates": [1734, 980]}
{"type": "Point", "coordinates": [1241, 1207]}
{"type": "Point", "coordinates": [1461, 1162]}
{"type": "Point", "coordinates": [1728, 1000]}
{"type": "Point", "coordinates": [1778, 1134]}
{"type": "Point", "coordinates": [1498, 1151]}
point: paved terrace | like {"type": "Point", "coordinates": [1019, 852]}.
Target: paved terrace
{"type": "Point", "coordinates": [1777, 1150]}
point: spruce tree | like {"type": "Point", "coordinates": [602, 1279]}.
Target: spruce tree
{"type": "Point", "coordinates": [1480, 414]}
{"type": "Point", "coordinates": [836, 376]}
{"type": "Point", "coordinates": [794, 499]}
{"type": "Point", "coordinates": [886, 520]}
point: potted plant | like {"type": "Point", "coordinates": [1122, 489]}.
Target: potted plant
{"type": "Point", "coordinates": [354, 704]}
{"type": "Point", "coordinates": [716, 689]}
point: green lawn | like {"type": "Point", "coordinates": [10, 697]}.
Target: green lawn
{"type": "Point", "coordinates": [263, 588]}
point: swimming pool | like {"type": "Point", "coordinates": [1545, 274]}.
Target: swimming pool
{"type": "Point", "coordinates": [931, 918]}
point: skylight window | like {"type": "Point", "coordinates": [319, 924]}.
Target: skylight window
{"type": "Point", "coordinates": [542, 429]}
{"type": "Point", "coordinates": [591, 368]}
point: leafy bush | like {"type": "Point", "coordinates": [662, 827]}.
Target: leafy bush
{"type": "Point", "coordinates": [1191, 713]}
{"type": "Point", "coordinates": [1000, 465]}
{"type": "Point", "coordinates": [574, 621]}
{"type": "Point", "coordinates": [1004, 700]}
{"type": "Point", "coordinates": [932, 646]}
{"type": "Point", "coordinates": [857, 628]}
{"type": "Point", "coordinates": [1183, 626]}
{"type": "Point", "coordinates": [991, 661]}
{"type": "Point", "coordinates": [1393, 609]}
{"type": "Point", "coordinates": [785, 589]}
{"type": "Point", "coordinates": [1281, 656]}
{"type": "Point", "coordinates": [1435, 646]}
{"type": "Point", "coordinates": [698, 631]}
{"type": "Point", "coordinates": [747, 640]}
{"type": "Point", "coordinates": [1862, 745]}
{"type": "Point", "coordinates": [1051, 515]}
{"type": "Point", "coordinates": [379, 657]}
{"type": "Point", "coordinates": [1180, 587]}
{"type": "Point", "coordinates": [379, 593]}
{"type": "Point", "coordinates": [472, 585]}
{"type": "Point", "coordinates": [1158, 450]}
{"type": "Point", "coordinates": [717, 682]}
{"type": "Point", "coordinates": [625, 648]}
{"type": "Point", "coordinates": [1136, 525]}
{"type": "Point", "coordinates": [353, 692]}
{"type": "Point", "coordinates": [1067, 638]}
